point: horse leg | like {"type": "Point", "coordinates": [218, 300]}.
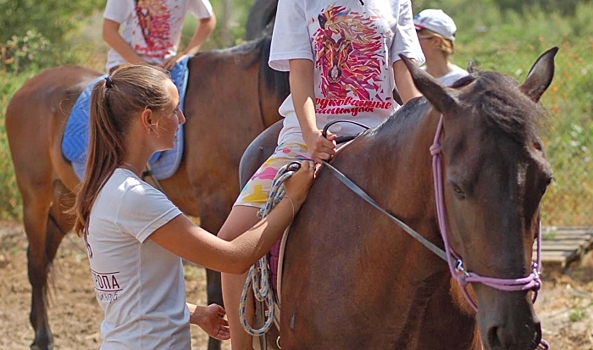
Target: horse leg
{"type": "Point", "coordinates": [58, 222]}
{"type": "Point", "coordinates": [44, 238]}
{"type": "Point", "coordinates": [36, 203]}
{"type": "Point", "coordinates": [212, 216]}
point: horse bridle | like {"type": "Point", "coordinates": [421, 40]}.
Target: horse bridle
{"type": "Point", "coordinates": [455, 262]}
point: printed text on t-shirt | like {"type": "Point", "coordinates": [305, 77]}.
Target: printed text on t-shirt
{"type": "Point", "coordinates": [106, 286]}
{"type": "Point", "coordinates": [348, 105]}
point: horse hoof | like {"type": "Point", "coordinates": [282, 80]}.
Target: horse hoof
{"type": "Point", "coordinates": [37, 347]}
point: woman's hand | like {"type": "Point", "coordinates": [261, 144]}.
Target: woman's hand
{"type": "Point", "coordinates": [211, 319]}
{"type": "Point", "coordinates": [320, 148]}
{"type": "Point", "coordinates": [297, 186]}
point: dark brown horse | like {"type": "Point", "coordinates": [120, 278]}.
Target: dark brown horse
{"type": "Point", "coordinates": [232, 96]}
{"type": "Point", "coordinates": [353, 279]}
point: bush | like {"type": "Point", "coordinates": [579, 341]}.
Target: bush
{"type": "Point", "coordinates": [500, 40]}
{"type": "Point", "coordinates": [21, 52]}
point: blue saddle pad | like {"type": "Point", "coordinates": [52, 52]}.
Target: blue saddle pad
{"type": "Point", "coordinates": [76, 134]}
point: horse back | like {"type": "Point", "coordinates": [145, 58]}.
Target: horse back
{"type": "Point", "coordinates": [35, 120]}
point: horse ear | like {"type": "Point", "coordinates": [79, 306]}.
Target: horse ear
{"type": "Point", "coordinates": [442, 98]}
{"type": "Point", "coordinates": [472, 67]}
{"type": "Point", "coordinates": [540, 75]}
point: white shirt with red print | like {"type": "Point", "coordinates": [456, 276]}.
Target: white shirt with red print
{"type": "Point", "coordinates": [353, 45]}
{"type": "Point", "coordinates": [152, 27]}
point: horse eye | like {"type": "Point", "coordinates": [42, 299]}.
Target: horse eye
{"type": "Point", "coordinates": [459, 193]}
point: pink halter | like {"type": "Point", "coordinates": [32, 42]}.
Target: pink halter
{"type": "Point", "coordinates": [464, 277]}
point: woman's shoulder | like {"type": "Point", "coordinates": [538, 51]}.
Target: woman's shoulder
{"type": "Point", "coordinates": [124, 183]}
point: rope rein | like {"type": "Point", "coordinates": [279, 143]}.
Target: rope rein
{"type": "Point", "coordinates": [258, 277]}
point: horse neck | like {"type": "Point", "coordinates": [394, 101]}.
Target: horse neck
{"type": "Point", "coordinates": [408, 186]}
{"type": "Point", "coordinates": [400, 148]}
{"type": "Point", "coordinates": [392, 163]}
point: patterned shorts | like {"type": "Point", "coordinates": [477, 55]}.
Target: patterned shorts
{"type": "Point", "coordinates": [255, 193]}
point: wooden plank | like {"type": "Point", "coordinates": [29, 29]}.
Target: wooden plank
{"type": "Point", "coordinates": [568, 241]}
{"type": "Point", "coordinates": [555, 236]}
{"type": "Point", "coordinates": [563, 245]}
{"type": "Point", "coordinates": [562, 248]}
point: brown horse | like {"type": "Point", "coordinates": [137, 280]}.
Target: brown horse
{"type": "Point", "coordinates": [355, 280]}
{"type": "Point", "coordinates": [231, 97]}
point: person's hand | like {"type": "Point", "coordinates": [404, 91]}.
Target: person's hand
{"type": "Point", "coordinates": [172, 61]}
{"type": "Point", "coordinates": [320, 148]}
{"type": "Point", "coordinates": [211, 319]}
{"type": "Point", "coordinates": [297, 186]}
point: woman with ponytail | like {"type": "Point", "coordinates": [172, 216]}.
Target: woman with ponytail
{"type": "Point", "coordinates": [136, 237]}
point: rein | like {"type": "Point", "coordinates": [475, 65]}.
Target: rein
{"type": "Point", "coordinates": [462, 276]}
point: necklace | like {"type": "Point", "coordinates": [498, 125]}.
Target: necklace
{"type": "Point", "coordinates": [132, 168]}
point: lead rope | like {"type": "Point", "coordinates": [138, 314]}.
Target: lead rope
{"type": "Point", "coordinates": [258, 276]}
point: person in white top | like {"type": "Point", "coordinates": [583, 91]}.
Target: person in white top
{"type": "Point", "coordinates": [343, 60]}
{"type": "Point", "coordinates": [135, 236]}
{"type": "Point", "coordinates": [152, 30]}
{"type": "Point", "coordinates": [436, 32]}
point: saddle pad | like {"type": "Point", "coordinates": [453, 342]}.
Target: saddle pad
{"type": "Point", "coordinates": [274, 262]}
{"type": "Point", "coordinates": [76, 134]}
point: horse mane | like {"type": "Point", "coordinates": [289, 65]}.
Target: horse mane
{"type": "Point", "coordinates": [504, 107]}
{"type": "Point", "coordinates": [250, 52]}
{"type": "Point", "coordinates": [498, 100]}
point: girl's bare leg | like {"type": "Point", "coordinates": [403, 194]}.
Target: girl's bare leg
{"type": "Point", "coordinates": [240, 220]}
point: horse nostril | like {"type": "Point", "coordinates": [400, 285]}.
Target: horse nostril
{"type": "Point", "coordinates": [494, 341]}
{"type": "Point", "coordinates": [537, 336]}
{"type": "Point", "coordinates": [499, 339]}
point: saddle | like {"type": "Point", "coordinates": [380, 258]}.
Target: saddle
{"type": "Point", "coordinates": [76, 134]}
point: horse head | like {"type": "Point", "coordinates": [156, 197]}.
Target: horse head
{"type": "Point", "coordinates": [494, 174]}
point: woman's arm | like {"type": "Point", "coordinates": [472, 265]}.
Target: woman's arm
{"type": "Point", "coordinates": [405, 43]}
{"type": "Point", "coordinates": [113, 38]}
{"type": "Point", "coordinates": [303, 98]}
{"type": "Point", "coordinates": [181, 237]}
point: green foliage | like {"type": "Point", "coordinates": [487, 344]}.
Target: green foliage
{"type": "Point", "coordinates": [53, 19]}
{"type": "Point", "coordinates": [219, 38]}
{"type": "Point", "coordinates": [34, 32]}
{"type": "Point", "coordinates": [579, 312]}
{"type": "Point", "coordinates": [509, 42]}
{"type": "Point", "coordinates": [23, 51]}
{"type": "Point", "coordinates": [500, 35]}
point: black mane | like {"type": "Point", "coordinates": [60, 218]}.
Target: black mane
{"type": "Point", "coordinates": [250, 52]}
{"type": "Point", "coordinates": [505, 109]}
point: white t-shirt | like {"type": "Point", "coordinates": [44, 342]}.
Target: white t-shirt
{"type": "Point", "coordinates": [353, 48]}
{"type": "Point", "coordinates": [152, 27]}
{"type": "Point", "coordinates": [453, 75]}
{"type": "Point", "coordinates": [138, 284]}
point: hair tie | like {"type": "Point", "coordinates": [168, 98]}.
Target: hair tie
{"type": "Point", "coordinates": [108, 82]}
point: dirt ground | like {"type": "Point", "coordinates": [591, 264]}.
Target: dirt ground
{"type": "Point", "coordinates": [564, 305]}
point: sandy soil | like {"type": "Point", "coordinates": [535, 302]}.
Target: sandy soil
{"type": "Point", "coordinates": [564, 306]}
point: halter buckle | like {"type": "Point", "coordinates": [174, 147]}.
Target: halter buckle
{"type": "Point", "coordinates": [459, 268]}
